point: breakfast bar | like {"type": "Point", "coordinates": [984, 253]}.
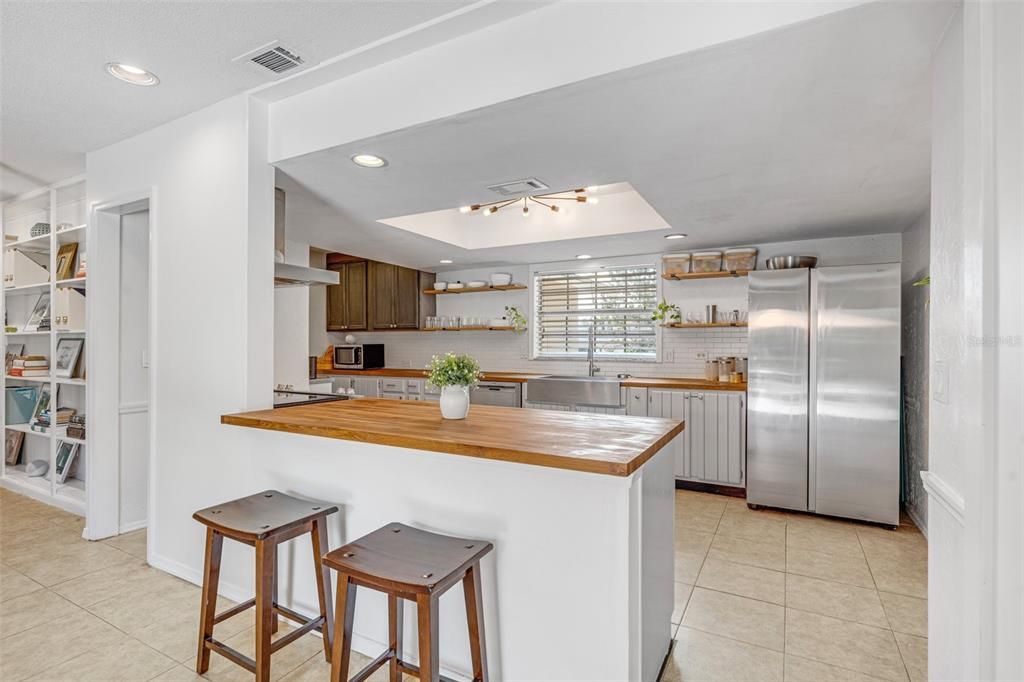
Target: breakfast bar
{"type": "Point", "coordinates": [579, 508]}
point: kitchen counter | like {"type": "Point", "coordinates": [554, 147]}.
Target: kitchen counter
{"type": "Point", "coordinates": [602, 444]}
{"type": "Point", "coordinates": [580, 508]}
{"type": "Point", "coordinates": [523, 377]}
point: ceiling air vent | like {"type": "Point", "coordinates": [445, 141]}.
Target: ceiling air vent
{"type": "Point", "coordinates": [273, 60]}
{"type": "Point", "coordinates": [527, 186]}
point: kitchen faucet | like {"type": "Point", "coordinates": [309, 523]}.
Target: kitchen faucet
{"type": "Point", "coordinates": [591, 346]}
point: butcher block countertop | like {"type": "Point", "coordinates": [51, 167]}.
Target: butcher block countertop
{"type": "Point", "coordinates": [523, 377]}
{"type": "Point", "coordinates": [595, 443]}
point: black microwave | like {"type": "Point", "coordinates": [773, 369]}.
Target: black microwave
{"type": "Point", "coordinates": [362, 356]}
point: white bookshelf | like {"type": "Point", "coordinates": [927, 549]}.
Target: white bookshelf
{"type": "Point", "coordinates": [62, 203]}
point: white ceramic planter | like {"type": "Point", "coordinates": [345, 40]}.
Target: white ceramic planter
{"type": "Point", "coordinates": [455, 402]}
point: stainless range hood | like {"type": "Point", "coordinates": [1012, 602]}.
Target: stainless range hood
{"type": "Point", "coordinates": [287, 274]}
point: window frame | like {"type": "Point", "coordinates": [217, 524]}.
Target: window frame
{"type": "Point", "coordinates": [595, 265]}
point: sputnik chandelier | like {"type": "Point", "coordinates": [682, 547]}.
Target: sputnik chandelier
{"type": "Point", "coordinates": [548, 201]}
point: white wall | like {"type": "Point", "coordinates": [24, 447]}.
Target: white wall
{"type": "Point", "coordinates": [291, 322]}
{"type": "Point", "coordinates": [683, 352]}
{"type": "Point", "coordinates": [212, 236]}
{"type": "Point", "coordinates": [975, 510]}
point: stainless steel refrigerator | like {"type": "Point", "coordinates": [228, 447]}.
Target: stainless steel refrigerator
{"type": "Point", "coordinates": [823, 416]}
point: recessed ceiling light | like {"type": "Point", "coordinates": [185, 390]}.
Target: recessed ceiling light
{"type": "Point", "coordinates": [675, 236]}
{"type": "Point", "coordinates": [445, 261]}
{"type": "Point", "coordinates": [583, 256]}
{"type": "Point", "coordinates": [131, 74]}
{"type": "Point", "coordinates": [369, 161]}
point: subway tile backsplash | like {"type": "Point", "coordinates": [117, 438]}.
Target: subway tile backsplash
{"type": "Point", "coordinates": [682, 351]}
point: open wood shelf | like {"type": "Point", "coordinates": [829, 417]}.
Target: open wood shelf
{"type": "Point", "coordinates": [474, 290]}
{"type": "Point", "coordinates": [707, 275]}
{"type": "Point", "coordinates": [25, 428]}
{"type": "Point", "coordinates": [28, 288]}
{"type": "Point", "coordinates": [702, 325]}
{"type": "Point", "coordinates": [73, 282]}
{"type": "Point", "coordinates": [469, 329]}
{"type": "Point", "coordinates": [41, 380]}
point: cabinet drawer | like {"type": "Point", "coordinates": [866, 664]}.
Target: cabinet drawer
{"type": "Point", "coordinates": [414, 386]}
{"type": "Point", "coordinates": [392, 385]}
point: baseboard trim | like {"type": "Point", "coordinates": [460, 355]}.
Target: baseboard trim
{"type": "Point", "coordinates": [943, 493]}
{"type": "Point", "coordinates": [922, 524]}
{"type": "Point", "coordinates": [130, 527]}
{"type": "Point", "coordinates": [367, 646]}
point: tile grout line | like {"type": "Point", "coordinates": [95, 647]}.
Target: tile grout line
{"type": "Point", "coordinates": [896, 643]}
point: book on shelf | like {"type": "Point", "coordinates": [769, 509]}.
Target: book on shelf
{"type": "Point", "coordinates": [30, 371]}
{"type": "Point", "coordinates": [43, 422]}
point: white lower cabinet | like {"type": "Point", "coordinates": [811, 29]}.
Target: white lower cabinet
{"type": "Point", "coordinates": [713, 447]}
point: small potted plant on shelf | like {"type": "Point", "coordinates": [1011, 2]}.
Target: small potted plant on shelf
{"type": "Point", "coordinates": [667, 313]}
{"type": "Point", "coordinates": [517, 318]}
{"type": "Point", "coordinates": [454, 375]}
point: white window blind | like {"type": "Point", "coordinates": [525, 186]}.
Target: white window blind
{"type": "Point", "coordinates": [617, 302]}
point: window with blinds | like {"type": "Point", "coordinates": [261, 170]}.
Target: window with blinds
{"type": "Point", "coordinates": [617, 302]}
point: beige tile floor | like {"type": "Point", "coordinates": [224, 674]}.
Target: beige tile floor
{"type": "Point", "coordinates": [767, 595]}
{"type": "Point", "coordinates": [759, 596]}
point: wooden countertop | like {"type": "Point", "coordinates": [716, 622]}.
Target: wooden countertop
{"type": "Point", "coordinates": [523, 377]}
{"type": "Point", "coordinates": [595, 443]}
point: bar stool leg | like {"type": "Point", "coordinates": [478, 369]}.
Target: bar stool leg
{"type": "Point", "coordinates": [323, 583]}
{"type": "Point", "coordinates": [274, 621]}
{"type": "Point", "coordinates": [344, 614]}
{"type": "Point", "coordinates": [475, 618]}
{"type": "Point", "coordinates": [208, 605]}
{"type": "Point", "coordinates": [265, 579]}
{"type": "Point", "coordinates": [396, 610]}
{"type": "Point", "coordinates": [426, 616]}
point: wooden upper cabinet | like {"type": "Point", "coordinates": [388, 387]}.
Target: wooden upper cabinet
{"type": "Point", "coordinates": [376, 296]}
{"type": "Point", "coordinates": [346, 301]}
{"type": "Point", "coordinates": [407, 298]}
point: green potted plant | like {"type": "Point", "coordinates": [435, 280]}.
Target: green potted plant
{"type": "Point", "coordinates": [517, 318]}
{"type": "Point", "coordinates": [666, 313]}
{"type": "Point", "coordinates": [454, 375]}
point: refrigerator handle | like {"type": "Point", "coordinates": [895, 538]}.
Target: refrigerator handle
{"type": "Point", "coordinates": [812, 393]}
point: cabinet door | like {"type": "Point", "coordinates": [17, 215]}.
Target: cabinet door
{"type": "Point", "coordinates": [636, 402]}
{"type": "Point", "coordinates": [697, 440]}
{"type": "Point", "coordinates": [367, 386]}
{"type": "Point", "coordinates": [354, 279]}
{"type": "Point", "coordinates": [337, 320]}
{"type": "Point", "coordinates": [406, 303]}
{"type": "Point", "coordinates": [382, 295]}
{"type": "Point", "coordinates": [674, 405]}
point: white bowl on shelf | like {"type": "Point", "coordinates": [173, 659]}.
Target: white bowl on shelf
{"type": "Point", "coordinates": [476, 284]}
{"type": "Point", "coordinates": [501, 279]}
{"type": "Point", "coordinates": [440, 286]}
{"type": "Point", "coordinates": [456, 285]}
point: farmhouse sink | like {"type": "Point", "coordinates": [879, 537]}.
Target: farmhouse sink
{"type": "Point", "coordinates": [574, 390]}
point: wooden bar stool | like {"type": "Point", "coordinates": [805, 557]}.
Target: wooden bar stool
{"type": "Point", "coordinates": [264, 521]}
{"type": "Point", "coordinates": [413, 564]}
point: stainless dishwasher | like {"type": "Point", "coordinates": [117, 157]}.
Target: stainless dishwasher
{"type": "Point", "coordinates": [504, 393]}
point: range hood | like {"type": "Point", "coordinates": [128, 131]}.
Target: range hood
{"type": "Point", "coordinates": [287, 274]}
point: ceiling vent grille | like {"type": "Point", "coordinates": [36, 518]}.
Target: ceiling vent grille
{"type": "Point", "coordinates": [272, 59]}
{"type": "Point", "coordinates": [513, 187]}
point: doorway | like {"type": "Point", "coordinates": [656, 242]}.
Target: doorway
{"type": "Point", "coordinates": [121, 405]}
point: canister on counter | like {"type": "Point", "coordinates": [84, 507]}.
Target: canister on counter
{"type": "Point", "coordinates": [726, 366]}
{"type": "Point", "coordinates": [711, 370]}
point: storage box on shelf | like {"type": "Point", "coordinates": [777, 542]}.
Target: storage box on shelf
{"type": "Point", "coordinates": [35, 227]}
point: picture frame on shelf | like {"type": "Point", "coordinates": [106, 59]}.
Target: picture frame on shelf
{"type": "Point", "coordinates": [69, 350]}
{"type": "Point", "coordinates": [39, 320]}
{"type": "Point", "coordinates": [66, 261]}
{"type": "Point", "coordinates": [12, 446]}
{"type": "Point", "coordinates": [13, 351]}
{"type": "Point", "coordinates": [42, 403]}
{"type": "Point", "coordinates": [66, 453]}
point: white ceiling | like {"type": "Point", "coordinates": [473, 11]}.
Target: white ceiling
{"type": "Point", "coordinates": [57, 103]}
{"type": "Point", "coordinates": [820, 129]}
{"type": "Point", "coordinates": [618, 209]}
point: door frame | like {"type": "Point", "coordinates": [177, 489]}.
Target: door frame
{"type": "Point", "coordinates": [103, 482]}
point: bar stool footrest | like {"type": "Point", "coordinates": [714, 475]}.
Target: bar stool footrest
{"type": "Point", "coordinates": [234, 611]}
{"type": "Point", "coordinates": [233, 655]}
{"type": "Point", "coordinates": [310, 625]}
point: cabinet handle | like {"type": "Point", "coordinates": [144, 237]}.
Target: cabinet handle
{"type": "Point", "coordinates": [699, 396]}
